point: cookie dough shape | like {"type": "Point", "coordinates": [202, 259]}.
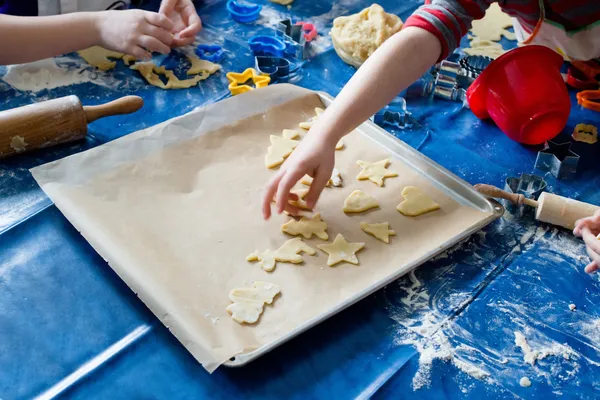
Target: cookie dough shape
{"type": "Point", "coordinates": [282, 2]}
{"type": "Point", "coordinates": [416, 202]}
{"type": "Point", "coordinates": [358, 201]}
{"type": "Point", "coordinates": [375, 172]}
{"type": "Point", "coordinates": [100, 57]}
{"type": "Point", "coordinates": [341, 251]}
{"type": "Point", "coordinates": [307, 227]}
{"type": "Point", "coordinates": [487, 31]}
{"type": "Point", "coordinates": [281, 147]}
{"type": "Point", "coordinates": [306, 125]}
{"type": "Point", "coordinates": [248, 303]}
{"type": "Point", "coordinates": [289, 252]}
{"type": "Point", "coordinates": [585, 133]}
{"type": "Point", "coordinates": [380, 231]}
{"type": "Point", "coordinates": [300, 203]}
{"type": "Point", "coordinates": [356, 37]}
{"type": "Point", "coordinates": [199, 66]}
{"type": "Point", "coordinates": [150, 72]}
{"type": "Point", "coordinates": [335, 180]}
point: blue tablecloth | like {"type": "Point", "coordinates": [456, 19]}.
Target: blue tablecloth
{"type": "Point", "coordinates": [70, 327]}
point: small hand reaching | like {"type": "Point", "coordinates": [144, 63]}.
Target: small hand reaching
{"type": "Point", "coordinates": [135, 32]}
{"type": "Point", "coordinates": [186, 22]}
{"type": "Point", "coordinates": [588, 229]}
{"type": "Point", "coordinates": [314, 156]}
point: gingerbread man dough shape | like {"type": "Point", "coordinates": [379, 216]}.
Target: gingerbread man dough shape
{"type": "Point", "coordinates": [289, 253]}
{"type": "Point", "coordinates": [248, 303]}
{"type": "Point", "coordinates": [307, 227]}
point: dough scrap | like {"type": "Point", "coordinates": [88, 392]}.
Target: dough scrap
{"type": "Point", "coordinates": [487, 31]}
{"type": "Point", "coordinates": [289, 252]}
{"type": "Point", "coordinates": [150, 72]}
{"type": "Point", "coordinates": [18, 144]}
{"type": "Point", "coordinates": [307, 227]}
{"type": "Point", "coordinates": [485, 48]}
{"type": "Point", "coordinates": [306, 125]}
{"type": "Point", "coordinates": [572, 307]}
{"type": "Point", "coordinates": [341, 250]}
{"type": "Point", "coordinates": [358, 201]}
{"type": "Point", "coordinates": [380, 231]}
{"type": "Point", "coordinates": [282, 2]}
{"type": "Point", "coordinates": [128, 59]}
{"type": "Point", "coordinates": [335, 180]}
{"type": "Point", "coordinates": [100, 57]}
{"type": "Point", "coordinates": [248, 303]}
{"type": "Point", "coordinates": [525, 382]}
{"type": "Point", "coordinates": [281, 147]}
{"type": "Point", "coordinates": [340, 144]}
{"type": "Point", "coordinates": [416, 202]}
{"type": "Point", "coordinates": [375, 172]}
{"type": "Point", "coordinates": [356, 37]}
{"type": "Point", "coordinates": [585, 133]}
{"type": "Point", "coordinates": [200, 66]}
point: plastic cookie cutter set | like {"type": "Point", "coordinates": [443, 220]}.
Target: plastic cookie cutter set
{"type": "Point", "coordinates": [396, 119]}
{"type": "Point", "coordinates": [279, 69]}
{"type": "Point", "coordinates": [238, 81]}
{"type": "Point", "coordinates": [530, 186]}
{"type": "Point", "coordinates": [264, 45]}
{"type": "Point", "coordinates": [241, 11]}
{"type": "Point", "coordinates": [209, 52]}
{"type": "Point", "coordinates": [558, 159]}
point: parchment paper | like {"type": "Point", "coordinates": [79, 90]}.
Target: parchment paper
{"type": "Point", "coordinates": [175, 210]}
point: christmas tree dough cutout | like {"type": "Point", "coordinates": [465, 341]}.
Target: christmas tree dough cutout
{"type": "Point", "coordinates": [375, 172]}
{"type": "Point", "coordinates": [335, 180]}
{"type": "Point", "coordinates": [281, 147]}
{"type": "Point", "coordinates": [380, 231]}
{"type": "Point", "coordinates": [307, 227]}
{"type": "Point", "coordinates": [416, 202]}
{"type": "Point", "coordinates": [358, 201]}
{"type": "Point", "coordinates": [289, 252]}
{"type": "Point", "coordinates": [248, 303]}
{"type": "Point", "coordinates": [341, 251]}
{"type": "Point", "coordinates": [308, 124]}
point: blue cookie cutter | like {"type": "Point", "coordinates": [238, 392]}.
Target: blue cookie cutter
{"type": "Point", "coordinates": [263, 45]}
{"type": "Point", "coordinates": [243, 12]}
{"type": "Point", "coordinates": [398, 119]}
{"type": "Point", "coordinates": [209, 52]}
{"type": "Point", "coordinates": [277, 68]}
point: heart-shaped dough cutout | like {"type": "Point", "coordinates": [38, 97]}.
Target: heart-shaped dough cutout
{"type": "Point", "coordinates": [416, 202]}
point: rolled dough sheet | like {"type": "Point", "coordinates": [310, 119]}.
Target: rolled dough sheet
{"type": "Point", "coordinates": [175, 210]}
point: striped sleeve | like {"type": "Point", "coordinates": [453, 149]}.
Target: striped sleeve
{"type": "Point", "coordinates": [448, 20]}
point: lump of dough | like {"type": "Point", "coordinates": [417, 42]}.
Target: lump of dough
{"type": "Point", "coordinates": [307, 227]}
{"type": "Point", "coordinates": [289, 252]}
{"type": "Point", "coordinates": [416, 202]}
{"type": "Point", "coordinates": [247, 303]}
{"type": "Point", "coordinates": [357, 36]}
{"type": "Point", "coordinates": [380, 231]}
{"type": "Point", "coordinates": [358, 201]}
{"type": "Point", "coordinates": [525, 382]}
{"type": "Point", "coordinates": [341, 251]}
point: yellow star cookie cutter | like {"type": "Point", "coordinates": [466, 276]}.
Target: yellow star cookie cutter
{"type": "Point", "coordinates": [237, 81]}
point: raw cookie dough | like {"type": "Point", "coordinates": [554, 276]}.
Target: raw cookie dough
{"type": "Point", "coordinates": [357, 36]}
{"type": "Point", "coordinates": [585, 133]}
{"type": "Point", "coordinates": [525, 382]}
{"type": "Point", "coordinates": [18, 144]}
{"type": "Point", "coordinates": [358, 201]}
{"type": "Point", "coordinates": [128, 59]}
{"type": "Point", "coordinates": [416, 202]}
{"type": "Point", "coordinates": [572, 307]}
{"type": "Point", "coordinates": [282, 2]}
{"type": "Point", "coordinates": [306, 125]}
{"type": "Point", "coordinates": [340, 250]}
{"type": "Point", "coordinates": [488, 31]}
{"type": "Point", "coordinates": [281, 148]}
{"type": "Point", "coordinates": [247, 303]}
{"type": "Point", "coordinates": [307, 227]}
{"type": "Point", "coordinates": [289, 252]}
{"type": "Point", "coordinates": [380, 231]}
{"type": "Point", "coordinates": [150, 72]}
{"type": "Point", "coordinates": [375, 172]}
{"type": "Point", "coordinates": [335, 180]}
{"type": "Point", "coordinates": [99, 57]}
{"type": "Point", "coordinates": [200, 66]}
{"type": "Point", "coordinates": [300, 203]}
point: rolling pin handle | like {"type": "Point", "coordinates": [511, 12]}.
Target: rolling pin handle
{"type": "Point", "coordinates": [492, 191]}
{"type": "Point", "coordinates": [124, 105]}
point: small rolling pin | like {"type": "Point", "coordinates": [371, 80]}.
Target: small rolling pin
{"type": "Point", "coordinates": [550, 208]}
{"type": "Point", "coordinates": [55, 121]}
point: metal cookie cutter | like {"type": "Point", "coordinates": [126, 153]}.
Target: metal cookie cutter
{"type": "Point", "coordinates": [263, 45]}
{"type": "Point", "coordinates": [558, 159]}
{"type": "Point", "coordinates": [243, 12]}
{"type": "Point", "coordinates": [529, 185]}
{"type": "Point", "coordinates": [277, 68]}
{"type": "Point", "coordinates": [293, 37]}
{"type": "Point", "coordinates": [209, 52]}
{"type": "Point", "coordinates": [237, 81]}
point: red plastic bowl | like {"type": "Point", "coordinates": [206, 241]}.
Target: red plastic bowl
{"type": "Point", "coordinates": [524, 93]}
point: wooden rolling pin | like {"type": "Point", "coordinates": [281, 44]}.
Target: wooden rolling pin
{"type": "Point", "coordinates": [550, 208]}
{"type": "Point", "coordinates": [55, 121]}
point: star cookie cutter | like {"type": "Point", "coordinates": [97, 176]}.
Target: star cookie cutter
{"type": "Point", "coordinates": [209, 52]}
{"type": "Point", "coordinates": [277, 68]}
{"type": "Point", "coordinates": [237, 81]}
{"type": "Point", "coordinates": [263, 45]}
{"type": "Point", "coordinates": [243, 12]}
{"type": "Point", "coordinates": [558, 159]}
{"type": "Point", "coordinates": [528, 185]}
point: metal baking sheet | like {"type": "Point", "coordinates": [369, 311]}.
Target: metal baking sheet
{"type": "Point", "coordinates": [444, 180]}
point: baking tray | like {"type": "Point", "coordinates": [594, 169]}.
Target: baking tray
{"type": "Point", "coordinates": [444, 180]}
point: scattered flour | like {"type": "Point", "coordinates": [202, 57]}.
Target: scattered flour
{"type": "Point", "coordinates": [531, 356]}
{"type": "Point", "coordinates": [525, 382]}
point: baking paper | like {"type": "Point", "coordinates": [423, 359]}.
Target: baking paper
{"type": "Point", "coordinates": [175, 210]}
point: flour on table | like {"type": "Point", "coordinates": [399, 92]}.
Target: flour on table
{"type": "Point", "coordinates": [530, 356]}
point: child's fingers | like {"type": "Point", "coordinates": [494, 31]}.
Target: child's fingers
{"type": "Point", "coordinates": [164, 36]}
{"type": "Point", "coordinates": [166, 6]}
{"type": "Point", "coordinates": [316, 188]}
{"type": "Point", "coordinates": [593, 256]}
{"type": "Point", "coordinates": [179, 42]}
{"type": "Point", "coordinates": [152, 44]}
{"type": "Point", "coordinates": [292, 209]}
{"type": "Point", "coordinates": [159, 20]}
{"type": "Point", "coordinates": [194, 24]}
{"type": "Point", "coordinates": [288, 180]}
{"type": "Point", "coordinates": [270, 191]}
{"type": "Point", "coordinates": [139, 53]}
{"type": "Point", "coordinates": [591, 267]}
{"type": "Point", "coordinates": [590, 240]}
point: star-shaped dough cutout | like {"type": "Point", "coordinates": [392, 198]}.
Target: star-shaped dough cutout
{"type": "Point", "coordinates": [416, 202]}
{"type": "Point", "coordinates": [358, 201]}
{"type": "Point", "coordinates": [380, 231]}
{"type": "Point", "coordinates": [307, 227]}
{"type": "Point", "coordinates": [375, 172]}
{"type": "Point", "coordinates": [289, 252]}
{"type": "Point", "coordinates": [341, 251]}
{"type": "Point", "coordinates": [280, 149]}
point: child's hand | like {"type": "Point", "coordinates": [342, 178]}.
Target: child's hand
{"type": "Point", "coordinates": [588, 229]}
{"type": "Point", "coordinates": [135, 32]}
{"type": "Point", "coordinates": [314, 157]}
{"type": "Point", "coordinates": [186, 22]}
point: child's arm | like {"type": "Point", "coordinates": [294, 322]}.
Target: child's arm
{"type": "Point", "coordinates": [588, 229]}
{"type": "Point", "coordinates": [400, 61]}
{"type": "Point", "coordinates": [26, 39]}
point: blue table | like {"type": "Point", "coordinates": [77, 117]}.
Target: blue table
{"type": "Point", "coordinates": [70, 327]}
